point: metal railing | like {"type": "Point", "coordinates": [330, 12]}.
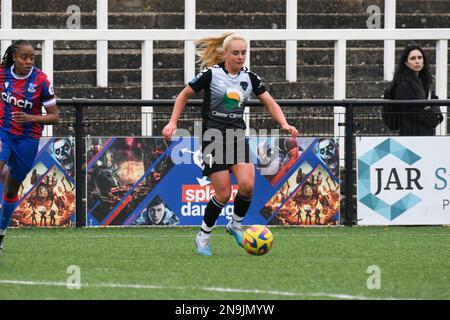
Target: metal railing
{"type": "Point", "coordinates": [90, 117]}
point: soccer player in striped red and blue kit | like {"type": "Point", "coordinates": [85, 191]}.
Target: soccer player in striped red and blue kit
{"type": "Point", "coordinates": [24, 90]}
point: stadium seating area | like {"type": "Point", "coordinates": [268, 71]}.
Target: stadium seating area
{"type": "Point", "coordinates": [75, 61]}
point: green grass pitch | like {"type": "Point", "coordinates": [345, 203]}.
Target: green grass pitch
{"type": "Point", "coordinates": [162, 263]}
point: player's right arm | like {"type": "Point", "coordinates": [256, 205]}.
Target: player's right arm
{"type": "Point", "coordinates": [200, 82]}
{"type": "Point", "coordinates": [180, 103]}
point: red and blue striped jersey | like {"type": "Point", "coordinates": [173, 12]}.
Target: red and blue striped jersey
{"type": "Point", "coordinates": [27, 94]}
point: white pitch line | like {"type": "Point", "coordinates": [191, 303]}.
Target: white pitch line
{"type": "Point", "coordinates": [220, 235]}
{"type": "Point", "coordinates": [209, 289]}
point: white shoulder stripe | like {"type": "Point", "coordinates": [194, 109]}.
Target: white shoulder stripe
{"type": "Point", "coordinates": [49, 103]}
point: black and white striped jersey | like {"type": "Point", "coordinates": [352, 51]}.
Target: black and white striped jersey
{"type": "Point", "coordinates": [225, 96]}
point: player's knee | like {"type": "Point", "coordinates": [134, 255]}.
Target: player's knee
{"type": "Point", "coordinates": [246, 188]}
{"type": "Point", "coordinates": [223, 195]}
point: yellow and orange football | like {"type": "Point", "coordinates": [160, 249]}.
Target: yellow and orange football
{"type": "Point", "coordinates": [257, 240]}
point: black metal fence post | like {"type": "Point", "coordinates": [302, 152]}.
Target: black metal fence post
{"type": "Point", "coordinates": [349, 129]}
{"type": "Point", "coordinates": [79, 174]}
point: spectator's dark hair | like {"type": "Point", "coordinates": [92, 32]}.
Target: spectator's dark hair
{"type": "Point", "coordinates": [156, 201]}
{"type": "Point", "coordinates": [7, 59]}
{"type": "Point", "coordinates": [404, 71]}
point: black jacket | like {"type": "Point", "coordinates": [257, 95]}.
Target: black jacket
{"type": "Point", "coordinates": [416, 120]}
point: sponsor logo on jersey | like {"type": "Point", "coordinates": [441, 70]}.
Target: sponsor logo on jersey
{"type": "Point", "coordinates": [12, 100]}
{"type": "Point", "coordinates": [227, 115]}
{"type": "Point", "coordinates": [232, 99]}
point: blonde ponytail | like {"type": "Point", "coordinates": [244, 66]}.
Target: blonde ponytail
{"type": "Point", "coordinates": [210, 50]}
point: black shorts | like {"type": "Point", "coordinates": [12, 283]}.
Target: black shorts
{"type": "Point", "coordinates": [222, 155]}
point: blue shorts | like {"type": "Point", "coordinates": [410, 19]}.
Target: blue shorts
{"type": "Point", "coordinates": [19, 153]}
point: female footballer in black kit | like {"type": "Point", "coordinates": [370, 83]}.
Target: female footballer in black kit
{"type": "Point", "coordinates": [227, 85]}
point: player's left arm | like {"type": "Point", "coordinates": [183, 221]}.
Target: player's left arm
{"type": "Point", "coordinates": [271, 105]}
{"type": "Point", "coordinates": [52, 116]}
{"type": "Point", "coordinates": [275, 111]}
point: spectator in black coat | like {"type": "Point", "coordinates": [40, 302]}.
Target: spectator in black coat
{"type": "Point", "coordinates": [412, 81]}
